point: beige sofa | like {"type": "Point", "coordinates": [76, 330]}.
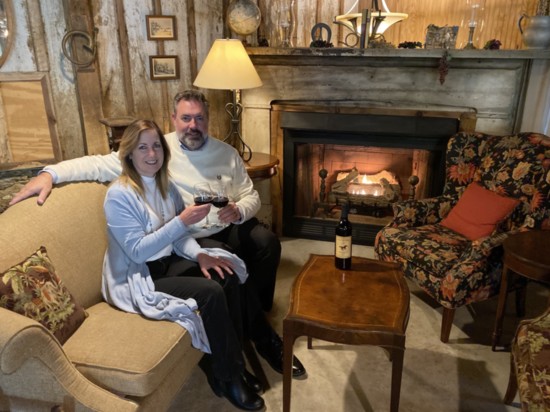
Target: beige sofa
{"type": "Point", "coordinates": [115, 361]}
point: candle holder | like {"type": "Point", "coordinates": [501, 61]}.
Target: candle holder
{"type": "Point", "coordinates": [474, 17]}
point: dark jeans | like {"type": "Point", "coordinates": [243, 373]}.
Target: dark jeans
{"type": "Point", "coordinates": [219, 304]}
{"type": "Point", "coordinates": [260, 249]}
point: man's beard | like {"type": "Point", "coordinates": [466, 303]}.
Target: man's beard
{"type": "Point", "coordinates": [193, 140]}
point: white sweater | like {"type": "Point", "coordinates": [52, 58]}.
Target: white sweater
{"type": "Point", "coordinates": [186, 167]}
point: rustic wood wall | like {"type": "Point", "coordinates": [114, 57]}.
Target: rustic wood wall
{"type": "Point", "coordinates": [118, 82]}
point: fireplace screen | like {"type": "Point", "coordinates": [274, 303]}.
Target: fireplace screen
{"type": "Point", "coordinates": [370, 179]}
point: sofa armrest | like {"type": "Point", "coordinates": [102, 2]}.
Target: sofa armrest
{"type": "Point", "coordinates": [33, 362]}
{"type": "Point", "coordinates": [411, 213]}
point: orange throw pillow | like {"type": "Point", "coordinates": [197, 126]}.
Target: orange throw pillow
{"type": "Point", "coordinates": [478, 212]}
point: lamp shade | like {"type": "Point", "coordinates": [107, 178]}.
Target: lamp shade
{"type": "Point", "coordinates": [227, 67]}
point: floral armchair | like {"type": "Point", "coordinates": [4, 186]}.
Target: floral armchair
{"type": "Point", "coordinates": [529, 364]}
{"type": "Point", "coordinates": [449, 267]}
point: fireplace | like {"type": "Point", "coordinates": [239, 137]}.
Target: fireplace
{"type": "Point", "coordinates": [330, 150]}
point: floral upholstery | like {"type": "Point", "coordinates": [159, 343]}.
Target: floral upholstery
{"type": "Point", "coordinates": [450, 268]}
{"type": "Point", "coordinates": [531, 363]}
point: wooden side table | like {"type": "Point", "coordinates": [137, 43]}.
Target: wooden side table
{"type": "Point", "coordinates": [367, 305]}
{"type": "Point", "coordinates": [526, 254]}
{"type": "Point", "coordinates": [261, 166]}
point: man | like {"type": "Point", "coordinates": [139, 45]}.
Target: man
{"type": "Point", "coordinates": [197, 157]}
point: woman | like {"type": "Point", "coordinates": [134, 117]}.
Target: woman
{"type": "Point", "coordinates": [154, 267]}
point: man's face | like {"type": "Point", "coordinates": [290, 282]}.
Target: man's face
{"type": "Point", "coordinates": [191, 123]}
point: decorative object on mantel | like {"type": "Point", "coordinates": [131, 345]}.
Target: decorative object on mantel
{"type": "Point", "coordinates": [228, 67]}
{"type": "Point", "coordinates": [286, 24]}
{"type": "Point", "coordinates": [317, 36]}
{"type": "Point", "coordinates": [377, 22]}
{"type": "Point", "coordinates": [243, 17]}
{"type": "Point", "coordinates": [443, 66]}
{"type": "Point", "coordinates": [493, 44]}
{"type": "Point", "coordinates": [440, 37]}
{"type": "Point", "coordinates": [410, 45]}
{"type": "Point", "coordinates": [537, 33]}
{"type": "Point", "coordinates": [476, 8]}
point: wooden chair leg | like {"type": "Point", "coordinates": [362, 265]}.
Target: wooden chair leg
{"type": "Point", "coordinates": [446, 324]}
{"type": "Point", "coordinates": [512, 383]}
{"type": "Point", "coordinates": [521, 293]}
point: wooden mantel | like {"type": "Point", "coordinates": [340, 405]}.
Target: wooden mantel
{"type": "Point", "coordinates": [303, 56]}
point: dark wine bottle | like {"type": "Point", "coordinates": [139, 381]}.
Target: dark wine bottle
{"type": "Point", "coordinates": [342, 244]}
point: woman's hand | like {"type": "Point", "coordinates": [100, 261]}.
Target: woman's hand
{"type": "Point", "coordinates": [219, 264]}
{"type": "Point", "coordinates": [194, 214]}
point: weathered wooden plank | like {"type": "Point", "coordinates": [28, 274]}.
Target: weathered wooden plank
{"type": "Point", "coordinates": [28, 140]}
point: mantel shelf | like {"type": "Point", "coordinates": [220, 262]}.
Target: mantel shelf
{"type": "Point", "coordinates": [307, 56]}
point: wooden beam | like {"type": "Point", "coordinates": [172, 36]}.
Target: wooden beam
{"type": "Point", "coordinates": [192, 39]}
{"type": "Point", "coordinates": [124, 47]}
{"type": "Point", "coordinates": [79, 17]}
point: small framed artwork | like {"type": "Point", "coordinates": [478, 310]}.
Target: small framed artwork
{"type": "Point", "coordinates": [164, 67]}
{"type": "Point", "coordinates": [161, 27]}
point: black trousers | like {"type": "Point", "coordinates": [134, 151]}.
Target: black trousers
{"type": "Point", "coordinates": [219, 304]}
{"type": "Point", "coordinates": [260, 249]}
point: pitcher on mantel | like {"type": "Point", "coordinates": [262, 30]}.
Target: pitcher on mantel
{"type": "Point", "coordinates": [537, 33]}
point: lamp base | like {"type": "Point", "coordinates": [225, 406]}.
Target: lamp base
{"type": "Point", "coordinates": [234, 138]}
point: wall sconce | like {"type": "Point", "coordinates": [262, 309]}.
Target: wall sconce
{"type": "Point", "coordinates": [228, 67]}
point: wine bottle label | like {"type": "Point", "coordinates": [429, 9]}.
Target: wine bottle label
{"type": "Point", "coordinates": [343, 247]}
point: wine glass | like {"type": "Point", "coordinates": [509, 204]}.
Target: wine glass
{"type": "Point", "coordinates": [220, 198]}
{"type": "Point", "coordinates": [202, 194]}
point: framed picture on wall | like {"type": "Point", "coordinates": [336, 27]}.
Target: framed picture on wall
{"type": "Point", "coordinates": [164, 67]}
{"type": "Point", "coordinates": [161, 28]}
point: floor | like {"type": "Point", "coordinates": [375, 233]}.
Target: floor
{"type": "Point", "coordinates": [462, 375]}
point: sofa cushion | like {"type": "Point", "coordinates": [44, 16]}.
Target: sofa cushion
{"type": "Point", "coordinates": [33, 289]}
{"type": "Point", "coordinates": [478, 212]}
{"type": "Point", "coordinates": [127, 353]}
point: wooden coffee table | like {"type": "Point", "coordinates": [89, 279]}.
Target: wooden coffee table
{"type": "Point", "coordinates": [526, 254]}
{"type": "Point", "coordinates": [367, 305]}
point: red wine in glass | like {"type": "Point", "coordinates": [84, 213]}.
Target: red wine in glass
{"type": "Point", "coordinates": [202, 194]}
{"type": "Point", "coordinates": [203, 200]}
{"type": "Point", "coordinates": [220, 201]}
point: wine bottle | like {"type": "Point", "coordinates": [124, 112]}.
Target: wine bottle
{"type": "Point", "coordinates": [342, 244]}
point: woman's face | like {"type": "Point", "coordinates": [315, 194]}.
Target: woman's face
{"type": "Point", "coordinates": [148, 156]}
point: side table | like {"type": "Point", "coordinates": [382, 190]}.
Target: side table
{"type": "Point", "coordinates": [367, 305]}
{"type": "Point", "coordinates": [261, 166]}
{"type": "Point", "coordinates": [525, 254]}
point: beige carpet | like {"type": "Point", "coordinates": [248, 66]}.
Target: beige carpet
{"type": "Point", "coordinates": [462, 375]}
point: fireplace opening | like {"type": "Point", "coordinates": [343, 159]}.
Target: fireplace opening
{"type": "Point", "coordinates": [366, 160]}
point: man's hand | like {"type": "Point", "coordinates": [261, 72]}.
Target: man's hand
{"type": "Point", "coordinates": [229, 214]}
{"type": "Point", "coordinates": [40, 185]}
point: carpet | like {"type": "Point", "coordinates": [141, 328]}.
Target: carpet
{"type": "Point", "coordinates": [461, 375]}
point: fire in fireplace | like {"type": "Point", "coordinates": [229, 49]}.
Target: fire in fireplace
{"type": "Point", "coordinates": [364, 159]}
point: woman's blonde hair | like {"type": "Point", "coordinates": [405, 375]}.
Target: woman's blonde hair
{"type": "Point", "coordinates": [128, 142]}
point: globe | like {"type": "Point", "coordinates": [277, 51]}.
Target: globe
{"type": "Point", "coordinates": [243, 17]}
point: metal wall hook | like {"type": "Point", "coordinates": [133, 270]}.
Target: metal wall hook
{"type": "Point", "coordinates": [91, 46]}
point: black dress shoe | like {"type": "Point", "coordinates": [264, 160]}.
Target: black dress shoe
{"type": "Point", "coordinates": [240, 394]}
{"type": "Point", "coordinates": [252, 382]}
{"type": "Point", "coordinates": [272, 351]}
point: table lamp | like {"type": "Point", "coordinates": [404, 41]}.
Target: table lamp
{"type": "Point", "coordinates": [228, 67]}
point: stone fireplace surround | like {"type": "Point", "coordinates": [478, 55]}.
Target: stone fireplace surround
{"type": "Point", "coordinates": [492, 85]}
